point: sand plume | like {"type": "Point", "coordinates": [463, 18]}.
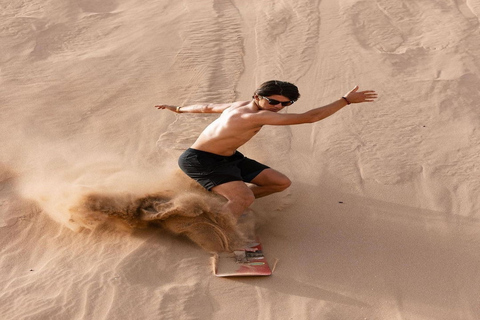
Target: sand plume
{"type": "Point", "coordinates": [190, 214]}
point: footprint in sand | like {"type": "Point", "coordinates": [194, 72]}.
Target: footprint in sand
{"type": "Point", "coordinates": [396, 27]}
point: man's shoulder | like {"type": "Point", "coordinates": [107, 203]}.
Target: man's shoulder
{"type": "Point", "coordinates": [264, 117]}
{"type": "Point", "coordinates": [241, 103]}
{"type": "Point", "coordinates": [239, 107]}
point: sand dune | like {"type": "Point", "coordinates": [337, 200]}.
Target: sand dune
{"type": "Point", "coordinates": [381, 221]}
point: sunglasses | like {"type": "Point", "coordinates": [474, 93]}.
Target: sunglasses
{"type": "Point", "coordinates": [274, 102]}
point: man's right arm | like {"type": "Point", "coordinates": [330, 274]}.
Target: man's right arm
{"type": "Point", "coordinates": [197, 108]}
{"type": "Point", "coordinates": [284, 119]}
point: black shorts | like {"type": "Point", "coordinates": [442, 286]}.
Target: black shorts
{"type": "Point", "coordinates": [211, 169]}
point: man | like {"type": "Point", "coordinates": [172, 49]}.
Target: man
{"type": "Point", "coordinates": [213, 160]}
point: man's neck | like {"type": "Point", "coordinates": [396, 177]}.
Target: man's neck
{"type": "Point", "coordinates": [256, 105]}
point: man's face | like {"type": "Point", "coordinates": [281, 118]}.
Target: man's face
{"type": "Point", "coordinates": [273, 103]}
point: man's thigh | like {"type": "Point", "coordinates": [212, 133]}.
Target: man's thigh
{"type": "Point", "coordinates": [233, 190]}
{"type": "Point", "coordinates": [270, 177]}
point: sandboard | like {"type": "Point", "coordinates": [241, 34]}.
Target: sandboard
{"type": "Point", "coordinates": [245, 262]}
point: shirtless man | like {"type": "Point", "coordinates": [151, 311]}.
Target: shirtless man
{"type": "Point", "coordinates": [213, 160]}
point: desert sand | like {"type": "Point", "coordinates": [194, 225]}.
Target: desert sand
{"type": "Point", "coordinates": [382, 218]}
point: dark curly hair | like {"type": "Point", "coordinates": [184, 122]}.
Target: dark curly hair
{"type": "Point", "coordinates": [277, 87]}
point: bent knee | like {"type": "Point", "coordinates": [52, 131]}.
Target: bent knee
{"type": "Point", "coordinates": [283, 183]}
{"type": "Point", "coordinates": [247, 199]}
{"type": "Point", "coordinates": [243, 199]}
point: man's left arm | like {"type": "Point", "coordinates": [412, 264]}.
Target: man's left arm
{"type": "Point", "coordinates": [316, 114]}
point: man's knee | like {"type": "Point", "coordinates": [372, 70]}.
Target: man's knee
{"type": "Point", "coordinates": [243, 196]}
{"type": "Point", "coordinates": [283, 183]}
{"type": "Point", "coordinates": [245, 199]}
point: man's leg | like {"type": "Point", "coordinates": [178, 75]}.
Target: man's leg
{"type": "Point", "coordinates": [269, 181]}
{"type": "Point", "coordinates": [239, 197]}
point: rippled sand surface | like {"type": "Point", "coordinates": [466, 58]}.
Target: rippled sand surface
{"type": "Point", "coordinates": [381, 221]}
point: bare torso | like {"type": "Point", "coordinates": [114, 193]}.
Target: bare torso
{"type": "Point", "coordinates": [230, 131]}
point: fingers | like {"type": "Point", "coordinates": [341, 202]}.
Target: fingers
{"type": "Point", "coordinates": [369, 95]}
{"type": "Point", "coordinates": [356, 96]}
{"type": "Point", "coordinates": [368, 92]}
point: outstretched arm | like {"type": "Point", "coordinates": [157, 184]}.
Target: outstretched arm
{"type": "Point", "coordinates": [197, 108]}
{"type": "Point", "coordinates": [317, 114]}
{"type": "Point", "coordinates": [353, 96]}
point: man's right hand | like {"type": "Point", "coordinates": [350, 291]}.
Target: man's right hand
{"type": "Point", "coordinates": [168, 107]}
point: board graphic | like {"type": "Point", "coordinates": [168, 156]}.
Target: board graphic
{"type": "Point", "coordinates": [246, 262]}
